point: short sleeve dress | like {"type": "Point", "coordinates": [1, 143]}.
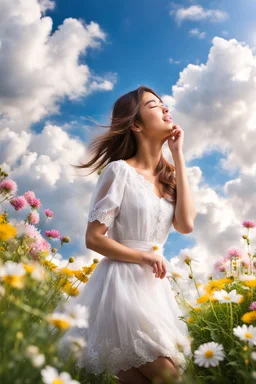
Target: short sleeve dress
{"type": "Point", "coordinates": [133, 316]}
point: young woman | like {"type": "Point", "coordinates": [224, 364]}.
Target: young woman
{"type": "Point", "coordinates": [134, 326]}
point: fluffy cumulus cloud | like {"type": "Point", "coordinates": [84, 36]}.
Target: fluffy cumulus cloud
{"type": "Point", "coordinates": [42, 163]}
{"type": "Point", "coordinates": [198, 13]}
{"type": "Point", "coordinates": [215, 104]}
{"type": "Point", "coordinates": [38, 67]}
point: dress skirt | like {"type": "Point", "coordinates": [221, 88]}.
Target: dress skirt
{"type": "Point", "coordinates": [133, 317]}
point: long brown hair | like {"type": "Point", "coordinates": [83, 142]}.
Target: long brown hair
{"type": "Point", "coordinates": [119, 141]}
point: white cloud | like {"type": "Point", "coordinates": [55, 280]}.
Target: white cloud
{"type": "Point", "coordinates": [39, 68]}
{"type": "Point", "coordinates": [198, 13]}
{"type": "Point", "coordinates": [172, 61]}
{"type": "Point", "coordinates": [197, 33]}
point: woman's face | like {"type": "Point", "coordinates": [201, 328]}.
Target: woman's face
{"type": "Point", "coordinates": [155, 115]}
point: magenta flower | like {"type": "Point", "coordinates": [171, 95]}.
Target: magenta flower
{"type": "Point", "coordinates": [233, 252]}
{"type": "Point", "coordinates": [53, 233]}
{"type": "Point", "coordinates": [8, 186]}
{"type": "Point", "coordinates": [35, 203]}
{"type": "Point", "coordinates": [249, 224]}
{"type": "Point", "coordinates": [18, 203]}
{"type": "Point", "coordinates": [29, 196]}
{"type": "Point", "coordinates": [49, 213]}
{"type": "Point", "coordinates": [221, 264]}
{"type": "Point", "coordinates": [33, 217]}
{"type": "Point", "coordinates": [253, 306]}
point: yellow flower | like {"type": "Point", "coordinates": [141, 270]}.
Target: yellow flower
{"type": "Point", "coordinates": [205, 298]}
{"type": "Point", "coordinates": [190, 320]}
{"type": "Point", "coordinates": [155, 247]}
{"type": "Point", "coordinates": [65, 271]}
{"type": "Point", "coordinates": [7, 231]}
{"type": "Point", "coordinates": [71, 291]}
{"type": "Point", "coordinates": [49, 264]}
{"type": "Point", "coordinates": [59, 320]}
{"type": "Point", "coordinates": [29, 268]}
{"type": "Point", "coordinates": [81, 276]}
{"type": "Point", "coordinates": [249, 317]}
{"type": "Point", "coordinates": [250, 283]}
{"type": "Point", "coordinates": [16, 281]}
{"type": "Point", "coordinates": [217, 284]}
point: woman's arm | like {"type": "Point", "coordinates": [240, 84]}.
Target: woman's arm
{"type": "Point", "coordinates": [185, 212]}
{"type": "Point", "coordinates": [98, 242]}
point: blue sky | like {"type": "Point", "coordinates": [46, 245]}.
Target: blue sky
{"type": "Point", "coordinates": [197, 55]}
{"type": "Point", "coordinates": [143, 40]}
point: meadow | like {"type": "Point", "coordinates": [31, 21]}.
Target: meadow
{"type": "Point", "coordinates": [33, 283]}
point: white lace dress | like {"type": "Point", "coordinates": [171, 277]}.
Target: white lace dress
{"type": "Point", "coordinates": [133, 316]}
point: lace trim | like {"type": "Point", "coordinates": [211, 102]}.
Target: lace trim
{"type": "Point", "coordinates": [144, 181]}
{"type": "Point", "coordinates": [102, 216]}
{"type": "Point", "coordinates": [111, 359]}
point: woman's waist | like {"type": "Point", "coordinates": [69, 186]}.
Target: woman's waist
{"type": "Point", "coordinates": [143, 245]}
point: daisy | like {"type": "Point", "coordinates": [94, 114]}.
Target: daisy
{"type": "Point", "coordinates": [227, 297]}
{"type": "Point", "coordinates": [78, 314]}
{"type": "Point", "coordinates": [246, 333]}
{"type": "Point", "coordinates": [209, 354]}
{"type": "Point", "coordinates": [50, 375]}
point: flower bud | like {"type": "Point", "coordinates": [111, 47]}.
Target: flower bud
{"type": "Point", "coordinates": [71, 260]}
{"type": "Point", "coordinates": [65, 239]}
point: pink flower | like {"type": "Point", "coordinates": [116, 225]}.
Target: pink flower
{"type": "Point", "coordinates": [245, 261]}
{"type": "Point", "coordinates": [29, 196]}
{"type": "Point", "coordinates": [253, 306]}
{"type": "Point", "coordinates": [48, 213]}
{"type": "Point", "coordinates": [221, 264]}
{"type": "Point", "coordinates": [35, 203]}
{"type": "Point", "coordinates": [233, 252]}
{"type": "Point", "coordinates": [41, 245]}
{"type": "Point", "coordinates": [8, 186]}
{"type": "Point", "coordinates": [18, 203]}
{"type": "Point", "coordinates": [33, 217]}
{"type": "Point", "coordinates": [52, 233]}
{"type": "Point", "coordinates": [249, 224]}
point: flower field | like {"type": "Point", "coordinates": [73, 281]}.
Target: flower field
{"type": "Point", "coordinates": [34, 282]}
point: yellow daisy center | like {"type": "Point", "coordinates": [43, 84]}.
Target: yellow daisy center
{"type": "Point", "coordinates": [208, 354]}
{"type": "Point", "coordinates": [248, 335]}
{"type": "Point", "coordinates": [57, 381]}
{"type": "Point", "coordinates": [226, 297]}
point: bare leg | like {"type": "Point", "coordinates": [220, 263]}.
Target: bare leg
{"type": "Point", "coordinates": [132, 376]}
{"type": "Point", "coordinates": [161, 368]}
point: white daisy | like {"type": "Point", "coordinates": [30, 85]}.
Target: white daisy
{"type": "Point", "coordinates": [227, 297]}
{"type": "Point", "coordinates": [246, 333]}
{"type": "Point", "coordinates": [50, 375]}
{"type": "Point", "coordinates": [79, 315]}
{"type": "Point", "coordinates": [209, 354]}
{"type": "Point", "coordinates": [11, 268]}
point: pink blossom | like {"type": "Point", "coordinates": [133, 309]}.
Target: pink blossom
{"type": "Point", "coordinates": [249, 224]}
{"type": "Point", "coordinates": [253, 306]}
{"type": "Point", "coordinates": [233, 252]}
{"type": "Point", "coordinates": [35, 203]}
{"type": "Point", "coordinates": [52, 233]}
{"type": "Point", "coordinates": [29, 196]}
{"type": "Point", "coordinates": [18, 203]}
{"type": "Point", "coordinates": [48, 213]}
{"type": "Point", "coordinates": [245, 261]}
{"type": "Point", "coordinates": [41, 245]}
{"type": "Point", "coordinates": [33, 217]}
{"type": "Point", "coordinates": [221, 264]}
{"type": "Point", "coordinates": [8, 186]}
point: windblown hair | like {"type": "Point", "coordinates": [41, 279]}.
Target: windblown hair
{"type": "Point", "coordinates": [119, 142]}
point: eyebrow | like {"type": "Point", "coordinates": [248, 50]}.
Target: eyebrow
{"type": "Point", "coordinates": [150, 101]}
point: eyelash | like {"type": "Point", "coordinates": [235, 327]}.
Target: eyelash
{"type": "Point", "coordinates": [154, 106]}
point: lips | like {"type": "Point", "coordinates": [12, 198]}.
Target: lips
{"type": "Point", "coordinates": [168, 118]}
